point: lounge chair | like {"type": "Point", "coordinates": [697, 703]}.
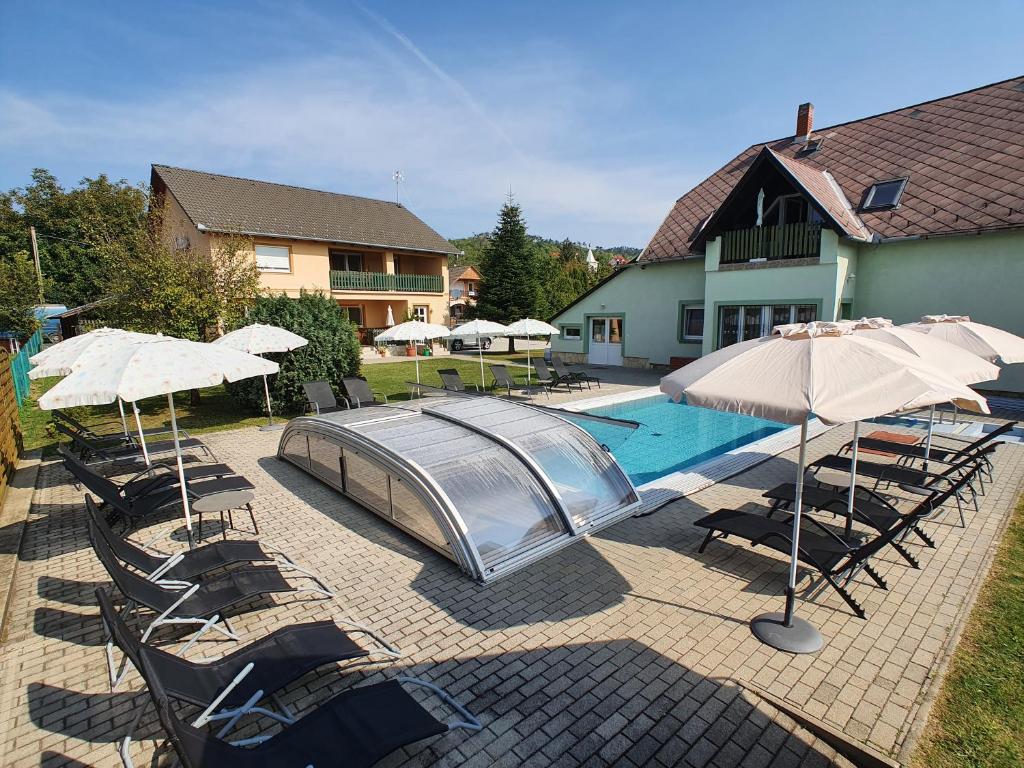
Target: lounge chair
{"type": "Point", "coordinates": [320, 398]}
{"type": "Point", "coordinates": [503, 380]}
{"type": "Point", "coordinates": [356, 728]}
{"type": "Point", "coordinates": [119, 435]}
{"type": "Point", "coordinates": [452, 381]}
{"type": "Point", "coordinates": [202, 604]}
{"type": "Point", "coordinates": [565, 373]}
{"type": "Point", "coordinates": [358, 392]}
{"type": "Point", "coordinates": [136, 507]}
{"type": "Point", "coordinates": [550, 379]}
{"type": "Point", "coordinates": [93, 451]}
{"type": "Point", "coordinates": [938, 453]}
{"type": "Point", "coordinates": [822, 549]}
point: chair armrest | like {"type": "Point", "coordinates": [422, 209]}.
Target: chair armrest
{"type": "Point", "coordinates": [380, 394]}
{"type": "Point", "coordinates": [311, 406]}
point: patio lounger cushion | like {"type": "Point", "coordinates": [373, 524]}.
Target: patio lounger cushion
{"type": "Point", "coordinates": [942, 455]}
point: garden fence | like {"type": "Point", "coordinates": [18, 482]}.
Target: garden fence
{"type": "Point", "coordinates": [20, 366]}
{"type": "Point", "coordinates": [10, 428]}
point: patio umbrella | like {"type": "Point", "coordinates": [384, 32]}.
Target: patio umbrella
{"type": "Point", "coordinates": [960, 364]}
{"type": "Point", "coordinates": [258, 339]}
{"type": "Point", "coordinates": [161, 367]}
{"type": "Point", "coordinates": [478, 329]}
{"type": "Point", "coordinates": [819, 369]}
{"type": "Point", "coordinates": [390, 318]}
{"type": "Point", "coordinates": [415, 331]}
{"type": "Point", "coordinates": [993, 344]}
{"type": "Point", "coordinates": [528, 327]}
{"type": "Point", "coordinates": [62, 358]}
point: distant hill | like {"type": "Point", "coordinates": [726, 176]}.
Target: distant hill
{"type": "Point", "coordinates": [474, 245]}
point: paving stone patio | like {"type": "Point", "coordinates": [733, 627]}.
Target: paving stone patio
{"type": "Point", "coordinates": [629, 648]}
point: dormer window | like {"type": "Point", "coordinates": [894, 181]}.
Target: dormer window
{"type": "Point", "coordinates": [883, 194]}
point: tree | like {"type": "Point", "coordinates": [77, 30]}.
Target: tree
{"type": "Point", "coordinates": [333, 351]}
{"type": "Point", "coordinates": [18, 292]}
{"type": "Point", "coordinates": [569, 252]}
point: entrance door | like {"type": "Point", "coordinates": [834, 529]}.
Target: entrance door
{"type": "Point", "coordinates": [605, 341]}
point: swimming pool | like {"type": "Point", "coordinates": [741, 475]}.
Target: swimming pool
{"type": "Point", "coordinates": [672, 436]}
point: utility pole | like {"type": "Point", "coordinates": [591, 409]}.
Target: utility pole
{"type": "Point", "coordinates": [35, 257]}
{"type": "Point", "coordinates": [399, 178]}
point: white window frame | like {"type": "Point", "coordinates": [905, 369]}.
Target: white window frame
{"type": "Point", "coordinates": [572, 332]}
{"type": "Point", "coordinates": [682, 330]}
{"type": "Point", "coordinates": [767, 310]}
{"type": "Point", "coordinates": [269, 266]}
{"type": "Point", "coordinates": [424, 315]}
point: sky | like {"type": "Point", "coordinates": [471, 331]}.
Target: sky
{"type": "Point", "coordinates": [597, 116]}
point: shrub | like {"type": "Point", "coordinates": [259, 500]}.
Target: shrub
{"type": "Point", "coordinates": [332, 353]}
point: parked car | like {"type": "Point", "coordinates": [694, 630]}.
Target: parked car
{"type": "Point", "coordinates": [457, 345]}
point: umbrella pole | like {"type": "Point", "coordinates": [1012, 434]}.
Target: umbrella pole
{"type": "Point", "coordinates": [853, 478]}
{"type": "Point", "coordinates": [142, 437]}
{"type": "Point", "coordinates": [480, 354]}
{"type": "Point", "coordinates": [928, 439]}
{"type": "Point", "coordinates": [181, 472]}
{"type": "Point", "coordinates": [124, 424]}
{"type": "Point", "coordinates": [270, 412]}
{"type": "Point", "coordinates": [528, 363]}
{"type": "Point", "coordinates": [785, 631]}
{"type": "Point", "coordinates": [417, 368]}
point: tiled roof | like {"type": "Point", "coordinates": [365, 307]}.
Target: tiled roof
{"type": "Point", "coordinates": [963, 154]}
{"type": "Point", "coordinates": [457, 273]}
{"type": "Point", "coordinates": [231, 204]}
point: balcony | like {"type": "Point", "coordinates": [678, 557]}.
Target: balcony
{"type": "Point", "coordinates": [789, 241]}
{"type": "Point", "coordinates": [380, 281]}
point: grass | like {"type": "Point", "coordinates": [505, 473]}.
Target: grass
{"type": "Point", "coordinates": [217, 411]}
{"type": "Point", "coordinates": [978, 719]}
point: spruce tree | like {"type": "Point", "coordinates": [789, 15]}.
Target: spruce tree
{"type": "Point", "coordinates": [509, 287]}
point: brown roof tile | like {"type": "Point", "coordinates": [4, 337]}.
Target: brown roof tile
{"type": "Point", "coordinates": [963, 154]}
{"type": "Point", "coordinates": [231, 204]}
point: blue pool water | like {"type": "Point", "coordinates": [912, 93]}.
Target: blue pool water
{"type": "Point", "coordinates": [672, 436]}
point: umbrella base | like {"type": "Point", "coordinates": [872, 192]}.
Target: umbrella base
{"type": "Point", "coordinates": [271, 427]}
{"type": "Point", "coordinates": [801, 637]}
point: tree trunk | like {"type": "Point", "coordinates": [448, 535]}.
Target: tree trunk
{"type": "Point", "coordinates": [193, 398]}
{"type": "Point", "coordinates": [511, 344]}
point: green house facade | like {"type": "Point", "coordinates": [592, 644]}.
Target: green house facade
{"type": "Point", "coordinates": [912, 212]}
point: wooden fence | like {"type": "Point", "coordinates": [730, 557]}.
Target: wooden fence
{"type": "Point", "coordinates": [10, 427]}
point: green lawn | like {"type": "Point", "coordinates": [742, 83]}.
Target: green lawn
{"type": "Point", "coordinates": [978, 719]}
{"type": "Point", "coordinates": [217, 411]}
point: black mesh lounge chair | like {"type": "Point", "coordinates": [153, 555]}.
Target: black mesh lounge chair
{"type": "Point", "coordinates": [358, 392]}
{"type": "Point", "coordinates": [232, 686]}
{"type": "Point", "coordinates": [356, 728]}
{"type": "Point", "coordinates": [550, 379]}
{"type": "Point", "coordinates": [192, 564]}
{"type": "Point", "coordinates": [320, 398]}
{"type": "Point", "coordinates": [821, 549]}
{"type": "Point", "coordinates": [870, 508]}
{"type": "Point", "coordinates": [133, 509]}
{"type": "Point", "coordinates": [938, 453]}
{"type": "Point", "coordinates": [110, 435]}
{"type": "Point", "coordinates": [565, 373]}
{"type": "Point", "coordinates": [452, 381]}
{"type": "Point", "coordinates": [100, 452]}
{"type": "Point", "coordinates": [503, 380]}
{"type": "Point", "coordinates": [201, 604]}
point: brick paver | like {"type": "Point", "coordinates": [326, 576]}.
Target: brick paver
{"type": "Point", "coordinates": [628, 648]}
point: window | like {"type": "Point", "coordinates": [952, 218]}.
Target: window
{"type": "Point", "coordinates": [471, 289]}
{"type": "Point", "coordinates": [346, 262]}
{"type": "Point", "coordinates": [273, 258]}
{"type": "Point", "coordinates": [691, 326]}
{"type": "Point", "coordinates": [181, 243]}
{"type": "Point", "coordinates": [751, 321]}
{"type": "Point", "coordinates": [420, 312]}
{"type": "Point", "coordinates": [571, 332]}
{"type": "Point", "coordinates": [354, 314]}
{"type": "Point", "coordinates": [883, 194]}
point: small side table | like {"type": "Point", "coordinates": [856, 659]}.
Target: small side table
{"type": "Point", "coordinates": [219, 503]}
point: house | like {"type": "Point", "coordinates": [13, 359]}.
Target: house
{"type": "Point", "coordinates": [366, 254]}
{"type": "Point", "coordinates": [465, 286]}
{"type": "Point", "coordinates": [910, 212]}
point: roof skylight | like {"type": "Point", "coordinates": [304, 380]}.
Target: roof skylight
{"type": "Point", "coordinates": [883, 194]}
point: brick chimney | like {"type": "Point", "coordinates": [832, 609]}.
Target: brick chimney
{"type": "Point", "coordinates": [804, 119]}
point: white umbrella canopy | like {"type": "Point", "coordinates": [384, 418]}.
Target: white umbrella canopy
{"type": "Point", "coordinates": [259, 339]}
{"type": "Point", "coordinates": [146, 369]}
{"type": "Point", "coordinates": [529, 327]}
{"type": "Point", "coordinates": [820, 369]}
{"type": "Point", "coordinates": [993, 344]}
{"type": "Point", "coordinates": [415, 331]}
{"type": "Point", "coordinates": [477, 329]}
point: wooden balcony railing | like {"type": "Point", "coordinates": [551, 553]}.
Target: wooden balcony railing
{"type": "Point", "coordinates": [789, 241]}
{"type": "Point", "coordinates": [380, 281]}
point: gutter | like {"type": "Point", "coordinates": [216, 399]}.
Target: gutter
{"type": "Point", "coordinates": [877, 240]}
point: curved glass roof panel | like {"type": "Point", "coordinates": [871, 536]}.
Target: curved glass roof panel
{"type": "Point", "coordinates": [490, 483]}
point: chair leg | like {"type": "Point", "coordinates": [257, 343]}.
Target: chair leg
{"type": "Point", "coordinates": [854, 605]}
{"type": "Point", "coordinates": [252, 516]}
{"type": "Point", "coordinates": [875, 576]}
{"type": "Point", "coordinates": [707, 540]}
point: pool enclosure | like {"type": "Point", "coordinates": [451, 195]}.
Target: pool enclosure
{"type": "Point", "coordinates": [489, 483]}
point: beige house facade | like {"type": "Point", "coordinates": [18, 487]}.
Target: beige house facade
{"type": "Point", "coordinates": [368, 255]}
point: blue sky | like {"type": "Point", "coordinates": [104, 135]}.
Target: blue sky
{"type": "Point", "coordinates": [598, 115]}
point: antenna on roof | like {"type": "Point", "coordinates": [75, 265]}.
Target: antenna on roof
{"type": "Point", "coordinates": [399, 178]}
